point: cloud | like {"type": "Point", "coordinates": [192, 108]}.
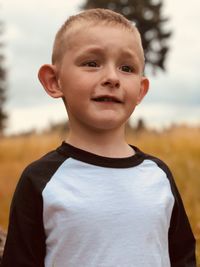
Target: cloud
{"type": "Point", "coordinates": [159, 115]}
{"type": "Point", "coordinates": [23, 119]}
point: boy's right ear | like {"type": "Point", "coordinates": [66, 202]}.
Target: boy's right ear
{"type": "Point", "coordinates": [47, 75]}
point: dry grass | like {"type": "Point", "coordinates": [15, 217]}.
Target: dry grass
{"type": "Point", "coordinates": [178, 147]}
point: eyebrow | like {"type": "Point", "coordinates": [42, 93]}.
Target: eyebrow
{"type": "Point", "coordinates": [90, 50]}
{"type": "Point", "coordinates": [131, 54]}
{"type": "Point", "coordinates": [96, 49]}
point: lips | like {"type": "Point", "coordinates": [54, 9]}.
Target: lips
{"type": "Point", "coordinates": [106, 98]}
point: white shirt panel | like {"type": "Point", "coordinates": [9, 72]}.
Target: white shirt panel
{"type": "Point", "coordinates": [106, 217]}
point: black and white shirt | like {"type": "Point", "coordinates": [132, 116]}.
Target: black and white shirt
{"type": "Point", "coordinates": [72, 208]}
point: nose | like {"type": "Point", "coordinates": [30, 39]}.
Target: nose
{"type": "Point", "coordinates": [111, 78]}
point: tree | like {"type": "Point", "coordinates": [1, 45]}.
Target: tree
{"type": "Point", "coordinates": [148, 18]}
{"type": "Point", "coordinates": [3, 85]}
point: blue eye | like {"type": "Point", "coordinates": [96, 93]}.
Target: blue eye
{"type": "Point", "coordinates": [127, 68]}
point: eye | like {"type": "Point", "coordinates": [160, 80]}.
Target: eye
{"type": "Point", "coordinates": [127, 68]}
{"type": "Point", "coordinates": [92, 64]}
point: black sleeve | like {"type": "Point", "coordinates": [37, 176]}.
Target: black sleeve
{"type": "Point", "coordinates": [25, 244]}
{"type": "Point", "coordinates": [181, 239]}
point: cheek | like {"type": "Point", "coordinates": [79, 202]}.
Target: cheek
{"type": "Point", "coordinates": [78, 83]}
{"type": "Point", "coordinates": [133, 90]}
{"type": "Point", "coordinates": [75, 92]}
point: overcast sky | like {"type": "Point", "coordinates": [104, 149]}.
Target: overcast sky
{"type": "Point", "coordinates": [30, 27]}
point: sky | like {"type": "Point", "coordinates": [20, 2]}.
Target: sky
{"type": "Point", "coordinates": [30, 27]}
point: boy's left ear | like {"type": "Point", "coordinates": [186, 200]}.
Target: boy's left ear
{"type": "Point", "coordinates": [144, 87]}
{"type": "Point", "coordinates": [48, 77]}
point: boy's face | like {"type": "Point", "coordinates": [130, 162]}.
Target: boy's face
{"type": "Point", "coordinates": [100, 76]}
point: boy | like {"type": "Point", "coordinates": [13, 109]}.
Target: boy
{"type": "Point", "coordinates": [96, 201]}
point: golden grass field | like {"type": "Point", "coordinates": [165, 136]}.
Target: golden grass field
{"type": "Point", "coordinates": [179, 147]}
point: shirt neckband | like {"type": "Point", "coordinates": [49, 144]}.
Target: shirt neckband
{"type": "Point", "coordinates": [94, 159]}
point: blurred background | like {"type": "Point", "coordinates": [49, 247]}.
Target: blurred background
{"type": "Point", "coordinates": [166, 124]}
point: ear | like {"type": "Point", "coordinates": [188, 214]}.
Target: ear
{"type": "Point", "coordinates": [48, 77]}
{"type": "Point", "coordinates": [144, 87]}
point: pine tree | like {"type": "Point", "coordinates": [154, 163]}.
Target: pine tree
{"type": "Point", "coordinates": [3, 85]}
{"type": "Point", "coordinates": [148, 17]}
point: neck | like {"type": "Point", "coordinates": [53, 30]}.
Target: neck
{"type": "Point", "coordinates": [108, 143]}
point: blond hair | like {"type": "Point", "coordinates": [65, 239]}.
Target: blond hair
{"type": "Point", "coordinates": [93, 16]}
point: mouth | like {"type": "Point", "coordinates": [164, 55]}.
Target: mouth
{"type": "Point", "coordinates": [108, 99]}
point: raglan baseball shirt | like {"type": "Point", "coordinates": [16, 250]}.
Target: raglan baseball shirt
{"type": "Point", "coordinates": [72, 208]}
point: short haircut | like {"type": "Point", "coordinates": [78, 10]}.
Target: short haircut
{"type": "Point", "coordinates": [93, 17]}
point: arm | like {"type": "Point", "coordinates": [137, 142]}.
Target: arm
{"type": "Point", "coordinates": [180, 236]}
{"type": "Point", "coordinates": [25, 244]}
{"type": "Point", "coordinates": [181, 239]}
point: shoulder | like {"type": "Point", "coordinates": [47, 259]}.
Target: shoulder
{"type": "Point", "coordinates": [157, 161]}
{"type": "Point", "coordinates": [39, 172]}
{"type": "Point", "coordinates": [161, 164]}
{"type": "Point", "coordinates": [47, 162]}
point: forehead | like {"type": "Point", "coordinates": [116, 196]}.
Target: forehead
{"type": "Point", "coordinates": [84, 34]}
{"type": "Point", "coordinates": [77, 28]}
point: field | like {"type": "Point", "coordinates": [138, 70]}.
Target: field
{"type": "Point", "coordinates": [179, 147]}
